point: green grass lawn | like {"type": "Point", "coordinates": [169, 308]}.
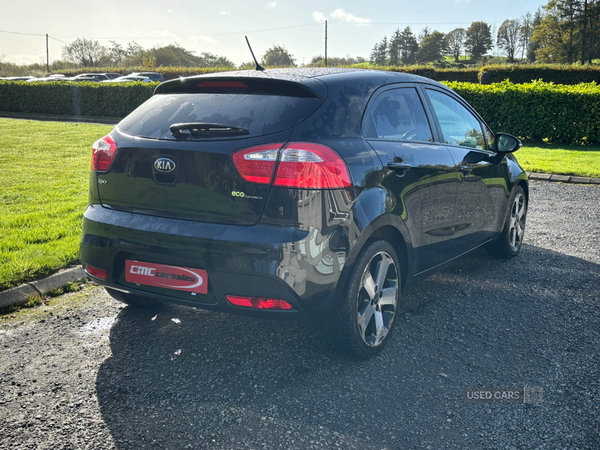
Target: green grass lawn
{"type": "Point", "coordinates": [561, 159]}
{"type": "Point", "coordinates": [44, 171]}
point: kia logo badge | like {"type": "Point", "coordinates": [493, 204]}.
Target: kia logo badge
{"type": "Point", "coordinates": [164, 165]}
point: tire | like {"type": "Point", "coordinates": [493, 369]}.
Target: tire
{"type": "Point", "coordinates": [363, 319]}
{"type": "Point", "coordinates": [134, 300]}
{"type": "Point", "coordinates": [510, 241]}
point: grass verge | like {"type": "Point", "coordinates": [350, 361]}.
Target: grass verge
{"type": "Point", "coordinates": [44, 171]}
{"type": "Point", "coordinates": [561, 159]}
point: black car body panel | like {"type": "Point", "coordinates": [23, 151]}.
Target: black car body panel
{"type": "Point", "coordinates": [296, 244]}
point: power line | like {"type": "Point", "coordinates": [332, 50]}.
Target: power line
{"type": "Point", "coordinates": [227, 33]}
{"type": "Point", "coordinates": [52, 37]}
{"type": "Point", "coordinates": [25, 34]}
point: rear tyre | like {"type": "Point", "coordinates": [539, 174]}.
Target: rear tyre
{"type": "Point", "coordinates": [134, 300]}
{"type": "Point", "coordinates": [364, 318]}
{"type": "Point", "coordinates": [509, 244]}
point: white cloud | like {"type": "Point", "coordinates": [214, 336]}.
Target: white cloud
{"type": "Point", "coordinates": [166, 34]}
{"type": "Point", "coordinates": [350, 18]}
{"type": "Point", "coordinates": [223, 13]}
{"type": "Point", "coordinates": [202, 38]}
{"type": "Point", "coordinates": [26, 58]}
{"type": "Point", "coordinates": [319, 16]}
{"type": "Point", "coordinates": [271, 5]}
{"type": "Point", "coordinates": [169, 11]}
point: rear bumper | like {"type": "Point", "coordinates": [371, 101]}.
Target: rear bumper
{"type": "Point", "coordinates": [294, 265]}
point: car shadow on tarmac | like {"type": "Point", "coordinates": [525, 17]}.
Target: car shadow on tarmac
{"type": "Point", "coordinates": [181, 377]}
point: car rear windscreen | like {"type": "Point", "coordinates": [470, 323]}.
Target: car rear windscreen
{"type": "Point", "coordinates": [259, 114]}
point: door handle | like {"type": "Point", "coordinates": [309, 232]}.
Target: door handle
{"type": "Point", "coordinates": [394, 165]}
{"type": "Point", "coordinates": [465, 169]}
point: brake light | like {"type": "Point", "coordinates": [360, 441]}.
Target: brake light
{"type": "Point", "coordinates": [221, 84]}
{"type": "Point", "coordinates": [258, 302]}
{"type": "Point", "coordinates": [103, 153]}
{"type": "Point", "coordinates": [95, 272]}
{"type": "Point", "coordinates": [302, 165]}
{"type": "Point", "coordinates": [256, 164]}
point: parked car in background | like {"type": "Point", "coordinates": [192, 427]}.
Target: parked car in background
{"type": "Point", "coordinates": [89, 76]}
{"type": "Point", "coordinates": [25, 78]}
{"type": "Point", "coordinates": [129, 79]}
{"type": "Point", "coordinates": [319, 193]}
{"type": "Point", "coordinates": [154, 76]}
{"type": "Point", "coordinates": [112, 76]}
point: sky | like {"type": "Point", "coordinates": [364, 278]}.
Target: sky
{"type": "Point", "coordinates": [219, 27]}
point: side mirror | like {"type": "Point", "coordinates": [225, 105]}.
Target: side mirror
{"type": "Point", "coordinates": [507, 143]}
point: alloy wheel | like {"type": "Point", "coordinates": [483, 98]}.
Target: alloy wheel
{"type": "Point", "coordinates": [377, 299]}
{"type": "Point", "coordinates": [517, 223]}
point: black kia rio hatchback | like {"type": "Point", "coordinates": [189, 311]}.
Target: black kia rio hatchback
{"type": "Point", "coordinates": [320, 193]}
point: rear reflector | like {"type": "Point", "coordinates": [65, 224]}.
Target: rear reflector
{"type": "Point", "coordinates": [302, 165]}
{"type": "Point", "coordinates": [95, 272]}
{"type": "Point", "coordinates": [258, 302]}
{"type": "Point", "coordinates": [103, 153]}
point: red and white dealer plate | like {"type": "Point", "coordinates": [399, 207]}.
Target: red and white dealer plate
{"type": "Point", "coordinates": [168, 277]}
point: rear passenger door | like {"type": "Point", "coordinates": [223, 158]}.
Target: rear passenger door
{"type": "Point", "coordinates": [418, 171]}
{"type": "Point", "coordinates": [481, 188]}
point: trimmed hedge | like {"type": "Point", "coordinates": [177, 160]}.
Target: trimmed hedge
{"type": "Point", "coordinates": [168, 72]}
{"type": "Point", "coordinates": [534, 111]}
{"type": "Point", "coordinates": [557, 113]}
{"type": "Point", "coordinates": [554, 73]}
{"type": "Point", "coordinates": [74, 99]}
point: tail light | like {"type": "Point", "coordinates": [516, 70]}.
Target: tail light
{"type": "Point", "coordinates": [301, 165]}
{"type": "Point", "coordinates": [258, 302]}
{"type": "Point", "coordinates": [103, 153]}
{"type": "Point", "coordinates": [95, 272]}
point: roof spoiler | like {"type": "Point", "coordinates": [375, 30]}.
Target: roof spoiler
{"type": "Point", "coordinates": [236, 85]}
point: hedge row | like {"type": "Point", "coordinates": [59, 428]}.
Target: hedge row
{"type": "Point", "coordinates": [555, 73]}
{"type": "Point", "coordinates": [168, 72]}
{"type": "Point", "coordinates": [535, 111]}
{"type": "Point", "coordinates": [74, 99]}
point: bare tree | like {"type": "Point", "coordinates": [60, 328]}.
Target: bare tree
{"type": "Point", "coordinates": [525, 33]}
{"type": "Point", "coordinates": [509, 36]}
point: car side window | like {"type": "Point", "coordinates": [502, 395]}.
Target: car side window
{"type": "Point", "coordinates": [398, 115]}
{"type": "Point", "coordinates": [459, 126]}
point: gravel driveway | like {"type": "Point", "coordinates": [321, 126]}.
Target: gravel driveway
{"type": "Point", "coordinates": [85, 372]}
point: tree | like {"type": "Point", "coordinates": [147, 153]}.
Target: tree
{"type": "Point", "coordinates": [479, 39]}
{"type": "Point", "coordinates": [117, 53]}
{"type": "Point", "coordinates": [455, 41]}
{"type": "Point", "coordinates": [379, 52]}
{"type": "Point", "coordinates": [508, 37]}
{"type": "Point", "coordinates": [533, 45]}
{"type": "Point", "coordinates": [525, 32]}
{"type": "Point", "coordinates": [432, 47]}
{"type": "Point", "coordinates": [394, 50]}
{"type": "Point", "coordinates": [278, 56]}
{"type": "Point", "coordinates": [408, 46]}
{"type": "Point", "coordinates": [424, 33]}
{"type": "Point", "coordinates": [557, 33]}
{"type": "Point", "coordinates": [84, 52]}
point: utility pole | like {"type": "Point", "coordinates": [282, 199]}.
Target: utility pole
{"type": "Point", "coordinates": [47, 56]}
{"type": "Point", "coordinates": [326, 43]}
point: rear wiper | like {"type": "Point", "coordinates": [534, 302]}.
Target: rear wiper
{"type": "Point", "coordinates": [206, 129]}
